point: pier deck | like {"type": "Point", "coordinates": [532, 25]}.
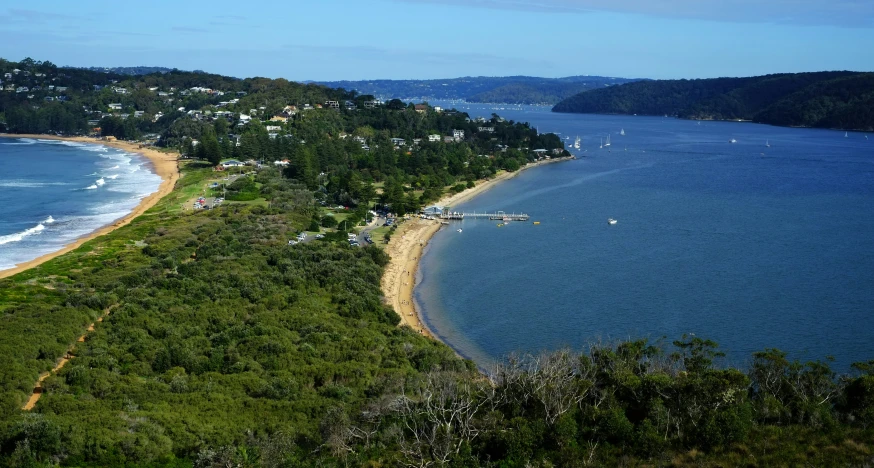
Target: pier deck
{"type": "Point", "coordinates": [497, 215]}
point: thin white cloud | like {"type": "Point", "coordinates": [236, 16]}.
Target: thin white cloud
{"type": "Point", "coordinates": [841, 13]}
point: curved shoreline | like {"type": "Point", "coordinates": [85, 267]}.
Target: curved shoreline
{"type": "Point", "coordinates": [165, 165]}
{"type": "Point", "coordinates": [408, 243]}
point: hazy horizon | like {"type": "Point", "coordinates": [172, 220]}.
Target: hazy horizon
{"type": "Point", "coordinates": [337, 40]}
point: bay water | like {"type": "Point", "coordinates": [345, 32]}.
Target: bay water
{"type": "Point", "coordinates": [767, 241]}
{"type": "Point", "coordinates": [53, 192]}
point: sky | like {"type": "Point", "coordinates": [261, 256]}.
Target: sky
{"type": "Point", "coordinates": [325, 40]}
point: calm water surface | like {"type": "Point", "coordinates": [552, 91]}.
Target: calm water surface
{"type": "Point", "coordinates": [751, 246]}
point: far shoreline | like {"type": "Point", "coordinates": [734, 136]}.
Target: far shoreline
{"type": "Point", "coordinates": [165, 165]}
{"type": "Point", "coordinates": [409, 242]}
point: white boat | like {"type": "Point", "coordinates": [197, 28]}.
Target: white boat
{"type": "Point", "coordinates": [602, 143]}
{"type": "Point", "coordinates": [846, 135]}
{"type": "Point", "coordinates": [577, 143]}
{"type": "Point", "coordinates": [608, 141]}
{"type": "Point", "coordinates": [767, 143]}
{"type": "Point", "coordinates": [459, 230]}
{"type": "Point", "coordinates": [622, 132]}
{"type": "Point", "coordinates": [611, 221]}
{"type": "Point", "coordinates": [732, 141]}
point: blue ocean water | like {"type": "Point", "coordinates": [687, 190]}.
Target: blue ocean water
{"type": "Point", "coordinates": [749, 245]}
{"type": "Point", "coordinates": [53, 192]}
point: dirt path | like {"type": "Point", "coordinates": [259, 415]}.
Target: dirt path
{"type": "Point", "coordinates": [37, 389]}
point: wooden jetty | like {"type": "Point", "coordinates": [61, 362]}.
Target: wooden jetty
{"type": "Point", "coordinates": [496, 215]}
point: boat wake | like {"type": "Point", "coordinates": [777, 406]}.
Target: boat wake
{"type": "Point", "coordinates": [19, 236]}
{"type": "Point", "coordinates": [91, 187]}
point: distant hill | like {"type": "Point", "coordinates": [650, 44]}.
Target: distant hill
{"type": "Point", "coordinates": [508, 89]}
{"type": "Point", "coordinates": [839, 99]}
{"type": "Point", "coordinates": [132, 71]}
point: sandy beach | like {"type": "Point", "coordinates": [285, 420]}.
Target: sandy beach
{"type": "Point", "coordinates": [407, 244]}
{"type": "Point", "coordinates": [165, 165]}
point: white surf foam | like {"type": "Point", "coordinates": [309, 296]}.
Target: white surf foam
{"type": "Point", "coordinates": [100, 181]}
{"type": "Point", "coordinates": [113, 176]}
{"type": "Point", "coordinates": [91, 187]}
{"type": "Point", "coordinates": [18, 236]}
{"type": "Point", "coordinates": [27, 184]}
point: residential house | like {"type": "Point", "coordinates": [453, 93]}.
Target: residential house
{"type": "Point", "coordinates": [279, 118]}
{"type": "Point", "coordinates": [421, 108]}
{"type": "Point", "coordinates": [138, 114]}
{"type": "Point", "coordinates": [289, 110]}
{"type": "Point", "coordinates": [458, 135]}
{"type": "Point", "coordinates": [22, 89]}
{"type": "Point", "coordinates": [350, 105]}
{"type": "Point", "coordinates": [438, 109]}
{"type": "Point", "coordinates": [486, 129]}
{"type": "Point", "coordinates": [157, 116]}
{"type": "Point", "coordinates": [232, 163]}
{"type": "Point", "coordinates": [360, 139]}
{"type": "Point", "coordinates": [49, 98]}
{"type": "Point", "coordinates": [398, 141]}
{"type": "Point", "coordinates": [241, 93]}
{"type": "Point", "coordinates": [332, 104]}
{"type": "Point", "coordinates": [272, 128]}
{"type": "Point", "coordinates": [9, 87]}
{"type": "Point", "coordinates": [416, 141]}
{"type": "Point", "coordinates": [8, 76]}
{"type": "Point", "coordinates": [153, 88]}
{"type": "Point", "coordinates": [372, 104]}
{"type": "Point", "coordinates": [16, 71]}
{"type": "Point", "coordinates": [434, 138]}
{"type": "Point", "coordinates": [245, 118]}
{"type": "Point", "coordinates": [282, 163]}
{"type": "Point", "coordinates": [163, 93]}
{"type": "Point", "coordinates": [61, 89]}
{"type": "Point", "coordinates": [448, 139]}
{"type": "Point", "coordinates": [307, 107]}
{"type": "Point", "coordinates": [120, 90]}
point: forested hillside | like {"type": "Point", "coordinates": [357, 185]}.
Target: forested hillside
{"type": "Point", "coordinates": [509, 89]}
{"type": "Point", "coordinates": [225, 344]}
{"type": "Point", "coordinates": [826, 99]}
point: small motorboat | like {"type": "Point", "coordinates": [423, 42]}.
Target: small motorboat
{"type": "Point", "coordinates": [611, 221]}
{"type": "Point", "coordinates": [732, 141]}
{"type": "Point", "coordinates": [459, 230]}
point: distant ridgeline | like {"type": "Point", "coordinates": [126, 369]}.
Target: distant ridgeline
{"type": "Point", "coordinates": [131, 71]}
{"type": "Point", "coordinates": [507, 89]}
{"type": "Point", "coordinates": [825, 99]}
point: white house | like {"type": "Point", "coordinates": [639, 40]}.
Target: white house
{"type": "Point", "coordinates": [232, 163]}
{"type": "Point", "coordinates": [486, 129]}
{"type": "Point", "coordinates": [458, 134]}
{"type": "Point", "coordinates": [398, 141]}
{"type": "Point", "coordinates": [283, 163]}
{"type": "Point", "coordinates": [433, 138]}
{"type": "Point", "coordinates": [115, 106]}
{"type": "Point", "coordinates": [272, 128]}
